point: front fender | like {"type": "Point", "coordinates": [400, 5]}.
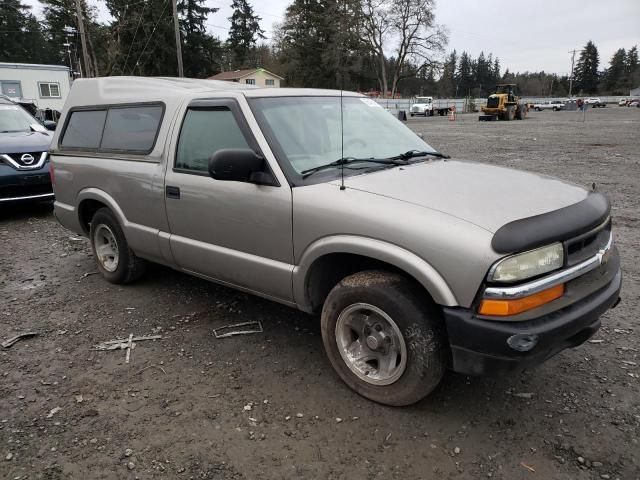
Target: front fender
{"type": "Point", "coordinates": [394, 255]}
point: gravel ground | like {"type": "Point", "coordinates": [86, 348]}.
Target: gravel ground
{"type": "Point", "coordinates": [268, 405]}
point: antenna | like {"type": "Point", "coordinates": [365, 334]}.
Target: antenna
{"type": "Point", "coordinates": [341, 70]}
{"type": "Point", "coordinates": [342, 187]}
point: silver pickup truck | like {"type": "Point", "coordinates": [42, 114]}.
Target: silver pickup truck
{"type": "Point", "coordinates": [322, 201]}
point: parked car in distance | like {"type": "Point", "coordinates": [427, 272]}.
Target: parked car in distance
{"type": "Point", "coordinates": [24, 164]}
{"type": "Point", "coordinates": [633, 103]}
{"type": "Point", "coordinates": [623, 102]}
{"type": "Point", "coordinates": [594, 102]}
{"type": "Point", "coordinates": [555, 105]}
{"type": "Point", "coordinates": [322, 201]}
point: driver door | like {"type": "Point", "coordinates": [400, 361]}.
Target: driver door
{"type": "Point", "coordinates": [237, 233]}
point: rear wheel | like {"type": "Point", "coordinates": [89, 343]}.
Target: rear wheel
{"type": "Point", "coordinates": [383, 337]}
{"type": "Point", "coordinates": [116, 261]}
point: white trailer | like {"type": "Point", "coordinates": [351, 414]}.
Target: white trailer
{"type": "Point", "coordinates": [45, 85]}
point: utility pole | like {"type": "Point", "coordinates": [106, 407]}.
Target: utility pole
{"type": "Point", "coordinates": [176, 26]}
{"type": "Point", "coordinates": [85, 54]}
{"type": "Point", "coordinates": [573, 57]}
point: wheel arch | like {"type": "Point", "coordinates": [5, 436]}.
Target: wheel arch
{"type": "Point", "coordinates": [325, 262]}
{"type": "Point", "coordinates": [90, 200]}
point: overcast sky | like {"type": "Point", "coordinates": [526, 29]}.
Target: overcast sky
{"type": "Point", "coordinates": [531, 35]}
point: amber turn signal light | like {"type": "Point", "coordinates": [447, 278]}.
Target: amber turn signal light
{"type": "Point", "coordinates": [503, 308]}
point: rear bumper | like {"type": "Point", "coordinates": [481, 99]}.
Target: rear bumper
{"type": "Point", "coordinates": [68, 217]}
{"type": "Point", "coordinates": [479, 346]}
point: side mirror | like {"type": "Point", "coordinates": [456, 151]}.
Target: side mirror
{"type": "Point", "coordinates": [240, 165]}
{"type": "Point", "coordinates": [49, 124]}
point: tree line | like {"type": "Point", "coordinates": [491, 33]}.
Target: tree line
{"type": "Point", "coordinates": [387, 47]}
{"type": "Point", "coordinates": [318, 43]}
{"type": "Point", "coordinates": [622, 74]}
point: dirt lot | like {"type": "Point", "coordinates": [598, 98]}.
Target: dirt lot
{"type": "Point", "coordinates": [266, 406]}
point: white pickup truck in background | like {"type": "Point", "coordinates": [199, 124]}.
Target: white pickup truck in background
{"type": "Point", "coordinates": [594, 102]}
{"type": "Point", "coordinates": [555, 105]}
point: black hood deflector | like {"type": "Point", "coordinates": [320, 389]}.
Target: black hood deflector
{"type": "Point", "coordinates": [557, 225]}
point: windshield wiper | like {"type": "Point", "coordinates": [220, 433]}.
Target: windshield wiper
{"type": "Point", "coordinates": [418, 153]}
{"type": "Point", "coordinates": [349, 160]}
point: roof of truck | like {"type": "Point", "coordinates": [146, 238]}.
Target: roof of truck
{"type": "Point", "coordinates": [95, 91]}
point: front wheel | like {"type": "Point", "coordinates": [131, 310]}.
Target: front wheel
{"type": "Point", "coordinates": [116, 261]}
{"type": "Point", "coordinates": [384, 338]}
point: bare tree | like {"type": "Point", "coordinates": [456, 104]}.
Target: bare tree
{"type": "Point", "coordinates": [405, 30]}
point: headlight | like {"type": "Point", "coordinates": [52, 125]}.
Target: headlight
{"type": "Point", "coordinates": [528, 264]}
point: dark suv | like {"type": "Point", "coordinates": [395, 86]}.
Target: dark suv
{"type": "Point", "coordinates": [24, 163]}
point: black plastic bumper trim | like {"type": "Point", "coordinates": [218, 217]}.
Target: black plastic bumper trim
{"type": "Point", "coordinates": [480, 346]}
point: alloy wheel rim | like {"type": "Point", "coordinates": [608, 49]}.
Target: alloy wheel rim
{"type": "Point", "coordinates": [106, 247]}
{"type": "Point", "coordinates": [371, 344]}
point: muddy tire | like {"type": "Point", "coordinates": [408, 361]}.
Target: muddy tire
{"type": "Point", "coordinates": [115, 260]}
{"type": "Point", "coordinates": [384, 337]}
{"type": "Point", "coordinates": [510, 113]}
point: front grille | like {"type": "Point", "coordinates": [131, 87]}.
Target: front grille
{"type": "Point", "coordinates": [493, 102]}
{"type": "Point", "coordinates": [588, 244]}
{"type": "Point", "coordinates": [24, 160]}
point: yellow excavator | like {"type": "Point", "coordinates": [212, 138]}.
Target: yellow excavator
{"type": "Point", "coordinates": [505, 104]}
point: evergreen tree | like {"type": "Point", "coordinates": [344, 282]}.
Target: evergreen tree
{"type": "Point", "coordinates": [586, 71]}
{"type": "Point", "coordinates": [244, 33]}
{"type": "Point", "coordinates": [615, 75]}
{"type": "Point", "coordinates": [482, 75]}
{"type": "Point", "coordinates": [21, 36]}
{"type": "Point", "coordinates": [496, 70]}
{"type": "Point", "coordinates": [320, 45]}
{"type": "Point", "coordinates": [143, 38]}
{"type": "Point", "coordinates": [632, 69]}
{"type": "Point", "coordinates": [447, 82]}
{"type": "Point", "coordinates": [62, 27]}
{"type": "Point", "coordinates": [201, 52]}
{"type": "Point", "coordinates": [464, 75]}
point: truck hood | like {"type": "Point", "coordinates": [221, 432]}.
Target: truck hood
{"type": "Point", "coordinates": [485, 195]}
{"type": "Point", "coordinates": [19, 142]}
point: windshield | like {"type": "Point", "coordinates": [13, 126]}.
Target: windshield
{"type": "Point", "coordinates": [306, 131]}
{"type": "Point", "coordinates": [423, 100]}
{"type": "Point", "coordinates": [14, 119]}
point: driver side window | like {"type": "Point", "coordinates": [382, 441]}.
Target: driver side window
{"type": "Point", "coordinates": [205, 131]}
